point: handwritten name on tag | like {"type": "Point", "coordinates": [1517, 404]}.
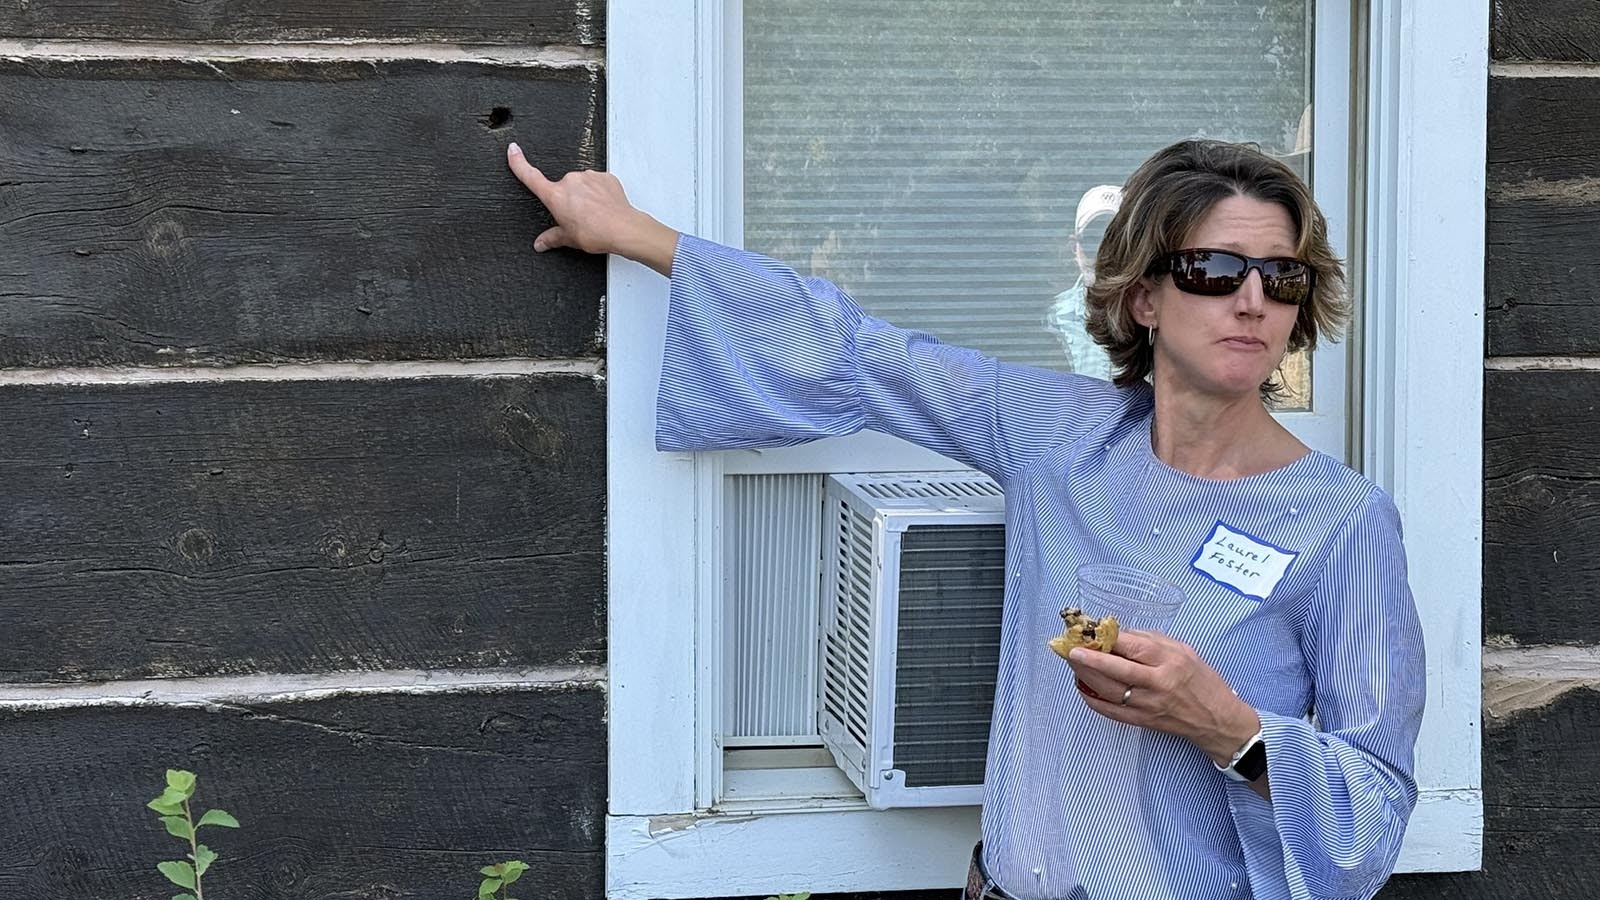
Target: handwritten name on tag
{"type": "Point", "coordinates": [1242, 562]}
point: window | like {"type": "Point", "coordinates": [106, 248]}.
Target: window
{"type": "Point", "coordinates": [678, 74]}
{"type": "Point", "coordinates": [956, 168]}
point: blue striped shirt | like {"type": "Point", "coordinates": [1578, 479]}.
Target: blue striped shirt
{"type": "Point", "coordinates": [1076, 805]}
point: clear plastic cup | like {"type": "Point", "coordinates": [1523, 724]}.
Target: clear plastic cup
{"type": "Point", "coordinates": [1139, 600]}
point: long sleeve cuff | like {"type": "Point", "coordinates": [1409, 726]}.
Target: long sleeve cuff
{"type": "Point", "coordinates": [1336, 821]}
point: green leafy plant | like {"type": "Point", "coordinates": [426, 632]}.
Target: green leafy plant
{"type": "Point", "coordinates": [499, 878]}
{"type": "Point", "coordinates": [803, 895]}
{"type": "Point", "coordinates": [174, 809]}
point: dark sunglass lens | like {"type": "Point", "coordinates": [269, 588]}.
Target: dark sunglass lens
{"type": "Point", "coordinates": [1286, 280]}
{"type": "Point", "coordinates": [1209, 272]}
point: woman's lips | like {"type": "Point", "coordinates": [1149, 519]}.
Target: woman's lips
{"type": "Point", "coordinates": [1245, 343]}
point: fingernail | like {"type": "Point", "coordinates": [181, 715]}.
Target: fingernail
{"type": "Point", "coordinates": [538, 246]}
{"type": "Point", "coordinates": [514, 150]}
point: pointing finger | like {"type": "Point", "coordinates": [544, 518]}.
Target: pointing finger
{"type": "Point", "coordinates": [531, 177]}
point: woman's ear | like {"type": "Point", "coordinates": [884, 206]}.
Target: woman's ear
{"type": "Point", "coordinates": [1142, 302]}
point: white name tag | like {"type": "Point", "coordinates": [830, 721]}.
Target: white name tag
{"type": "Point", "coordinates": [1247, 565]}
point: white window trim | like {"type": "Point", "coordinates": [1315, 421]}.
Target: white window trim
{"type": "Point", "coordinates": [1427, 84]}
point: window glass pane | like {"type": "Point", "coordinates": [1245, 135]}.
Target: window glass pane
{"type": "Point", "coordinates": [952, 163]}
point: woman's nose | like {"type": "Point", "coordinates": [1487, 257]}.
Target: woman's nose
{"type": "Point", "coordinates": [1250, 299]}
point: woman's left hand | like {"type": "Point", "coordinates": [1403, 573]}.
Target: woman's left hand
{"type": "Point", "coordinates": [1173, 690]}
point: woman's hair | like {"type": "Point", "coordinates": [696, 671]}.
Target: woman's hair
{"type": "Point", "coordinates": [1163, 203]}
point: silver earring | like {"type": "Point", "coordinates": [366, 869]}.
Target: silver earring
{"type": "Point", "coordinates": [1152, 330]}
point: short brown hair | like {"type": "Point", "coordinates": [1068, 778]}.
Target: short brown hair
{"type": "Point", "coordinates": [1162, 204]}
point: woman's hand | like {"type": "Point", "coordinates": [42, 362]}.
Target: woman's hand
{"type": "Point", "coordinates": [593, 215]}
{"type": "Point", "coordinates": [1174, 690]}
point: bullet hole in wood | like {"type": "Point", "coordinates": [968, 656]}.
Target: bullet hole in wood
{"type": "Point", "coordinates": [498, 118]}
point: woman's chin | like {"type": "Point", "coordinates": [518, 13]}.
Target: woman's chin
{"type": "Point", "coordinates": [1221, 380]}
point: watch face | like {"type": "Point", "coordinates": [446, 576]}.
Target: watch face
{"type": "Point", "coordinates": [1253, 764]}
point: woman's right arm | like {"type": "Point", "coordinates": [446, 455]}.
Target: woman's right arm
{"type": "Point", "coordinates": [758, 356]}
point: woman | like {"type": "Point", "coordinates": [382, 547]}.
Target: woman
{"type": "Point", "coordinates": [1262, 746]}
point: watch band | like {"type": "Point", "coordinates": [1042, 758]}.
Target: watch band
{"type": "Point", "coordinates": [1249, 764]}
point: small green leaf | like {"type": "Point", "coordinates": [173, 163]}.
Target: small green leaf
{"type": "Point", "coordinates": [166, 806]}
{"type": "Point", "coordinates": [514, 870]}
{"type": "Point", "coordinates": [494, 871]}
{"type": "Point", "coordinates": [180, 781]}
{"type": "Point", "coordinates": [218, 817]}
{"type": "Point", "coordinates": [178, 827]}
{"type": "Point", "coordinates": [179, 873]}
{"type": "Point", "coordinates": [173, 798]}
{"type": "Point", "coordinates": [487, 889]}
{"type": "Point", "coordinates": [182, 897]}
{"type": "Point", "coordinates": [203, 858]}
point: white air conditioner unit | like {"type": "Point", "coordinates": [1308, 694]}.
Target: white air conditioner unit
{"type": "Point", "coordinates": [913, 576]}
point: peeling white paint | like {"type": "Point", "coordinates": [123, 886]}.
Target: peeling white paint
{"type": "Point", "coordinates": [659, 825]}
{"type": "Point", "coordinates": [317, 371]}
{"type": "Point", "coordinates": [278, 688]}
{"type": "Point", "coordinates": [1543, 70]}
{"type": "Point", "coordinates": [583, 14]}
{"type": "Point", "coordinates": [548, 57]}
{"type": "Point", "coordinates": [1542, 364]}
{"type": "Point", "coordinates": [587, 153]}
{"type": "Point", "coordinates": [1562, 191]}
{"type": "Point", "coordinates": [1519, 678]}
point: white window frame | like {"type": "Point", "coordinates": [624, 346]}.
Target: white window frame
{"type": "Point", "coordinates": [1427, 75]}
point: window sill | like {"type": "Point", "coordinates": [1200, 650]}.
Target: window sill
{"type": "Point", "coordinates": [761, 849]}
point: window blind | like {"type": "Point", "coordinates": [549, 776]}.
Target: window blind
{"type": "Point", "coordinates": [930, 156]}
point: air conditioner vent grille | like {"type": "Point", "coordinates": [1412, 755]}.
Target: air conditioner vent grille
{"type": "Point", "coordinates": [948, 650]}
{"type": "Point", "coordinates": [951, 489]}
{"type": "Point", "coordinates": [847, 684]}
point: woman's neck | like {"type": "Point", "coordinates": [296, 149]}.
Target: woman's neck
{"type": "Point", "coordinates": [1219, 438]}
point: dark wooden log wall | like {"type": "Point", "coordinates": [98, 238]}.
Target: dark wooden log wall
{"type": "Point", "coordinates": [361, 795]}
{"type": "Point", "coordinates": [370, 511]}
{"type": "Point", "coordinates": [214, 528]}
{"type": "Point", "coordinates": [161, 212]}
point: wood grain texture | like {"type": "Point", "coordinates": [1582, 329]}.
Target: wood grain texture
{"type": "Point", "coordinates": [579, 22]}
{"type": "Point", "coordinates": [1541, 810]}
{"type": "Point", "coordinates": [1542, 506]}
{"type": "Point", "coordinates": [355, 796]}
{"type": "Point", "coordinates": [166, 212]}
{"type": "Point", "coordinates": [1552, 30]}
{"type": "Point", "coordinates": [213, 528]}
{"type": "Point", "coordinates": [1542, 278]}
{"type": "Point", "coordinates": [1543, 130]}
{"type": "Point", "coordinates": [1542, 274]}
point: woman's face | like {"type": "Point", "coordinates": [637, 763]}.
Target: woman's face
{"type": "Point", "coordinates": [1223, 346]}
